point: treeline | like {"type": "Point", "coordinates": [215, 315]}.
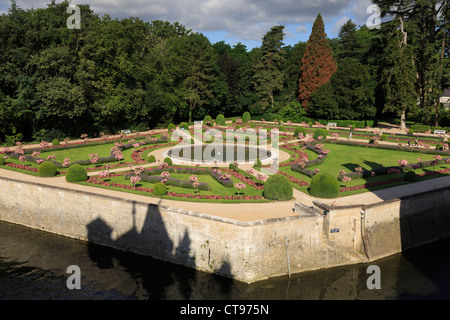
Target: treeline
{"type": "Point", "coordinates": [129, 74]}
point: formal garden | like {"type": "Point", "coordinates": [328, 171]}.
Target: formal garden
{"type": "Point", "coordinates": [324, 162]}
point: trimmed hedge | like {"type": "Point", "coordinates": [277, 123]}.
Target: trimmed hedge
{"type": "Point", "coordinates": [246, 117]}
{"type": "Point", "coordinates": [324, 186]}
{"type": "Point", "coordinates": [411, 176]}
{"type": "Point", "coordinates": [55, 142]}
{"type": "Point", "coordinates": [47, 169]}
{"type": "Point", "coordinates": [171, 127]}
{"type": "Point", "coordinates": [2, 160]}
{"type": "Point", "coordinates": [76, 173]}
{"type": "Point", "coordinates": [278, 188]}
{"type": "Point", "coordinates": [151, 159]}
{"type": "Point", "coordinates": [168, 161]}
{"type": "Point", "coordinates": [206, 120]}
{"type": "Point", "coordinates": [299, 130]}
{"type": "Point", "coordinates": [220, 120]}
{"type": "Point", "coordinates": [321, 132]}
{"type": "Point", "coordinates": [184, 125]}
{"type": "Point", "coordinates": [160, 189]}
{"type": "Point", "coordinates": [172, 182]}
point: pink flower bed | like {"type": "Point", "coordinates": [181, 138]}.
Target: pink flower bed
{"type": "Point", "coordinates": [97, 181]}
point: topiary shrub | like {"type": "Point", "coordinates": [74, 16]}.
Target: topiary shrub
{"type": "Point", "coordinates": [278, 188]}
{"type": "Point", "coordinates": [325, 186]}
{"type": "Point", "coordinates": [207, 121]}
{"type": "Point", "coordinates": [246, 117]}
{"type": "Point", "coordinates": [171, 127]}
{"type": "Point", "coordinates": [76, 173]}
{"type": "Point", "coordinates": [160, 189]}
{"type": "Point", "coordinates": [299, 130]}
{"type": "Point", "coordinates": [168, 161]}
{"type": "Point", "coordinates": [151, 159]}
{"type": "Point", "coordinates": [320, 133]}
{"type": "Point", "coordinates": [411, 176]}
{"type": "Point", "coordinates": [439, 147]}
{"type": "Point", "coordinates": [2, 161]}
{"type": "Point", "coordinates": [184, 125]}
{"type": "Point", "coordinates": [47, 169]}
{"type": "Point", "coordinates": [220, 120]}
{"type": "Point", "coordinates": [55, 142]}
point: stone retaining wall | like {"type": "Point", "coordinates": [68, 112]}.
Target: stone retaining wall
{"type": "Point", "coordinates": [319, 237]}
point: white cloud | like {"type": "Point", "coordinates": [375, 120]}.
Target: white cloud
{"type": "Point", "coordinates": [340, 23]}
{"type": "Point", "coordinates": [242, 19]}
{"type": "Point", "coordinates": [301, 29]}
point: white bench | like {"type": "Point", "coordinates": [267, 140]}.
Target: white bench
{"type": "Point", "coordinates": [125, 131]}
{"type": "Point", "coordinates": [439, 131]}
{"type": "Point", "coordinates": [332, 124]}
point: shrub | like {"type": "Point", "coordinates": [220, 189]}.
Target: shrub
{"type": "Point", "coordinates": [151, 159]}
{"type": "Point", "coordinates": [168, 161]}
{"type": "Point", "coordinates": [47, 169]}
{"type": "Point", "coordinates": [325, 186]}
{"type": "Point", "coordinates": [184, 125]}
{"type": "Point", "coordinates": [258, 163]}
{"type": "Point", "coordinates": [278, 188]}
{"type": "Point", "coordinates": [207, 121]}
{"type": "Point", "coordinates": [246, 117]}
{"type": "Point", "coordinates": [299, 130]}
{"type": "Point", "coordinates": [220, 120]}
{"type": "Point", "coordinates": [411, 176]}
{"type": "Point", "coordinates": [233, 166]}
{"type": "Point", "coordinates": [171, 127]}
{"type": "Point", "coordinates": [160, 189]}
{"type": "Point", "coordinates": [76, 173]}
{"type": "Point", "coordinates": [439, 147]}
{"type": "Point", "coordinates": [55, 142]}
{"type": "Point", "coordinates": [320, 133]}
{"type": "Point", "coordinates": [2, 161]}
{"type": "Point", "coordinates": [411, 132]}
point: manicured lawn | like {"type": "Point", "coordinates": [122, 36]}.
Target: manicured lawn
{"type": "Point", "coordinates": [348, 158]}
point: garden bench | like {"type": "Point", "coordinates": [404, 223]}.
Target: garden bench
{"type": "Point", "coordinates": [332, 124]}
{"type": "Point", "coordinates": [125, 131]}
{"type": "Point", "coordinates": [439, 131]}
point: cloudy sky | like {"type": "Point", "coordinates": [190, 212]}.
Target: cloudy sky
{"type": "Point", "coordinates": [232, 21]}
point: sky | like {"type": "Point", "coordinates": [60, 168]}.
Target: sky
{"type": "Point", "coordinates": [232, 21]}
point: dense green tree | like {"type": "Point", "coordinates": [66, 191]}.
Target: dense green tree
{"type": "Point", "coordinates": [427, 35]}
{"type": "Point", "coordinates": [399, 75]}
{"type": "Point", "coordinates": [196, 61]}
{"type": "Point", "coordinates": [268, 78]}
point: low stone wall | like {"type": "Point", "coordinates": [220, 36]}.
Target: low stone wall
{"type": "Point", "coordinates": [319, 237]}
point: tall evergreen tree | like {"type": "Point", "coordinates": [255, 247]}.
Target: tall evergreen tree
{"type": "Point", "coordinates": [318, 64]}
{"type": "Point", "coordinates": [348, 41]}
{"type": "Point", "coordinates": [400, 74]}
{"type": "Point", "coordinates": [268, 77]}
{"type": "Point", "coordinates": [426, 36]}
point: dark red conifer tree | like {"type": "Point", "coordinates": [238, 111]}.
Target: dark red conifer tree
{"type": "Point", "coordinates": [318, 64]}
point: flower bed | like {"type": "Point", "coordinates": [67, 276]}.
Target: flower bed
{"type": "Point", "coordinates": [97, 181]}
{"type": "Point", "coordinates": [386, 182]}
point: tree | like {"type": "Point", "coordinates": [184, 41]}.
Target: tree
{"type": "Point", "coordinates": [268, 78]}
{"type": "Point", "coordinates": [427, 36]}
{"type": "Point", "coordinates": [399, 75]}
{"type": "Point", "coordinates": [318, 64]}
{"type": "Point", "coordinates": [348, 41]}
{"type": "Point", "coordinates": [196, 60]}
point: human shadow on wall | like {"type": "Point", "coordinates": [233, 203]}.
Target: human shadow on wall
{"type": "Point", "coordinates": [158, 273]}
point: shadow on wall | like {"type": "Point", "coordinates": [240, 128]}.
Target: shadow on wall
{"type": "Point", "coordinates": [154, 241]}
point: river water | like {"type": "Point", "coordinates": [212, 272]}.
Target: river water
{"type": "Point", "coordinates": [33, 265]}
